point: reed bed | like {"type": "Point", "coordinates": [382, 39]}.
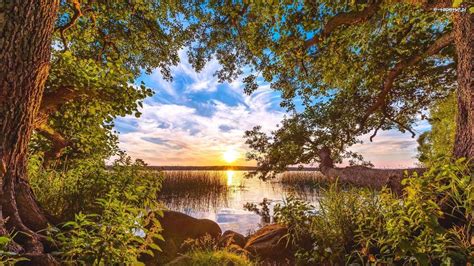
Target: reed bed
{"type": "Point", "coordinates": [304, 184]}
{"type": "Point", "coordinates": [198, 190]}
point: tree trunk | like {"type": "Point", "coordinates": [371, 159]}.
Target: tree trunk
{"type": "Point", "coordinates": [25, 41]}
{"type": "Point", "coordinates": [464, 41]}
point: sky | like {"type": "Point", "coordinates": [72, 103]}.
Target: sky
{"type": "Point", "coordinates": [194, 120]}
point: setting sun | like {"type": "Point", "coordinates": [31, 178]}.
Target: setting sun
{"type": "Point", "coordinates": [230, 155]}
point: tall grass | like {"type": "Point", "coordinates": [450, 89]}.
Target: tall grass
{"type": "Point", "coordinates": [304, 184]}
{"type": "Point", "coordinates": [198, 190]}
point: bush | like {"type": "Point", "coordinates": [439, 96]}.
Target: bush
{"type": "Point", "coordinates": [209, 258]}
{"type": "Point", "coordinates": [108, 213]}
{"type": "Point", "coordinates": [119, 234]}
{"type": "Point", "coordinates": [430, 224]}
{"type": "Point", "coordinates": [76, 188]}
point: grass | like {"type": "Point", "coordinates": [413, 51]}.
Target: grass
{"type": "Point", "coordinates": [205, 258]}
{"type": "Point", "coordinates": [200, 189]}
{"type": "Point", "coordinates": [304, 184]}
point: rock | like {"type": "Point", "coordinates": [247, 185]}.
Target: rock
{"type": "Point", "coordinates": [178, 227]}
{"type": "Point", "coordinates": [270, 242]}
{"type": "Point", "coordinates": [230, 237]}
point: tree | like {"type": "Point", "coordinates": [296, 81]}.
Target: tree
{"type": "Point", "coordinates": [98, 49]}
{"type": "Point", "coordinates": [439, 141]}
{"type": "Point", "coordinates": [25, 53]}
{"type": "Point", "coordinates": [344, 69]}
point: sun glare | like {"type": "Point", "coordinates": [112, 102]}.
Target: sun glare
{"type": "Point", "coordinates": [230, 155]}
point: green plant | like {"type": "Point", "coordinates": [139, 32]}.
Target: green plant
{"type": "Point", "coordinates": [196, 187]}
{"type": "Point", "coordinates": [207, 258]}
{"type": "Point", "coordinates": [66, 192]}
{"type": "Point", "coordinates": [430, 224]}
{"type": "Point", "coordinates": [8, 257]}
{"type": "Point", "coordinates": [119, 234]}
{"type": "Point", "coordinates": [263, 211]}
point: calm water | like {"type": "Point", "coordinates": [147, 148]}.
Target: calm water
{"type": "Point", "coordinates": [227, 208]}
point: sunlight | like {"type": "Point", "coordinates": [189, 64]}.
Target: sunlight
{"type": "Point", "coordinates": [230, 155]}
{"type": "Point", "coordinates": [230, 177]}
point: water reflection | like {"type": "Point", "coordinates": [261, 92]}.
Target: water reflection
{"type": "Point", "coordinates": [221, 195]}
{"type": "Point", "coordinates": [230, 177]}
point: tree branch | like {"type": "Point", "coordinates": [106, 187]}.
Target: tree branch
{"type": "Point", "coordinates": [397, 70]}
{"type": "Point", "coordinates": [77, 13]}
{"type": "Point", "coordinates": [344, 19]}
{"type": "Point", "coordinates": [53, 100]}
{"type": "Point", "coordinates": [58, 142]}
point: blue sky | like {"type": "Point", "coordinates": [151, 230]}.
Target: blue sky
{"type": "Point", "coordinates": [195, 119]}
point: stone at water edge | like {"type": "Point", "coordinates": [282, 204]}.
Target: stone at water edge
{"type": "Point", "coordinates": [230, 237]}
{"type": "Point", "coordinates": [269, 242]}
{"type": "Point", "coordinates": [177, 227]}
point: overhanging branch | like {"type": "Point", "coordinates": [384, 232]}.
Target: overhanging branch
{"type": "Point", "coordinates": [398, 69]}
{"type": "Point", "coordinates": [344, 19]}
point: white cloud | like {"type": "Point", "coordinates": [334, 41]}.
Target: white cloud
{"type": "Point", "coordinates": [174, 131]}
{"type": "Point", "coordinates": [170, 134]}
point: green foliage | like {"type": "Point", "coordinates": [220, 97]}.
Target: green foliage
{"type": "Point", "coordinates": [99, 50]}
{"type": "Point", "coordinates": [430, 224]}
{"type": "Point", "coordinates": [66, 192]}
{"type": "Point", "coordinates": [109, 211]}
{"type": "Point", "coordinates": [341, 75]}
{"type": "Point", "coordinates": [119, 234]}
{"type": "Point", "coordinates": [263, 211]}
{"type": "Point", "coordinates": [206, 250]}
{"type": "Point", "coordinates": [439, 141]}
{"type": "Point", "coordinates": [220, 257]}
{"type": "Point", "coordinates": [8, 257]}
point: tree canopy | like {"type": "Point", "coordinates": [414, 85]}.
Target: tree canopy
{"type": "Point", "coordinates": [344, 69]}
{"type": "Point", "coordinates": [99, 49]}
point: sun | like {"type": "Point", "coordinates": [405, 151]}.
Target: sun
{"type": "Point", "coordinates": [230, 155]}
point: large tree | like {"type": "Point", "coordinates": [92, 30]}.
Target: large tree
{"type": "Point", "coordinates": [67, 71]}
{"type": "Point", "coordinates": [344, 69]}
{"type": "Point", "coordinates": [26, 31]}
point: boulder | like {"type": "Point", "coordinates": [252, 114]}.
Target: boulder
{"type": "Point", "coordinates": [178, 227]}
{"type": "Point", "coordinates": [230, 237]}
{"type": "Point", "coordinates": [269, 242]}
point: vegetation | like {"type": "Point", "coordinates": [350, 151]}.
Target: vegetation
{"type": "Point", "coordinates": [439, 141]}
{"type": "Point", "coordinates": [215, 258]}
{"type": "Point", "coordinates": [196, 187]}
{"type": "Point", "coordinates": [206, 251]}
{"type": "Point", "coordinates": [362, 226]}
{"type": "Point", "coordinates": [104, 215]}
{"type": "Point", "coordinates": [344, 69]}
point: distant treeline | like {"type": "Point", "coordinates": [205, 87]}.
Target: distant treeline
{"type": "Point", "coordinates": [222, 168]}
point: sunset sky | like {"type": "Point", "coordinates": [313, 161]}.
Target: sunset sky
{"type": "Point", "coordinates": [195, 120]}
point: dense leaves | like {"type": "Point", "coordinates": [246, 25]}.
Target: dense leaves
{"type": "Point", "coordinates": [362, 226]}
{"type": "Point", "coordinates": [439, 141]}
{"type": "Point", "coordinates": [99, 49]}
{"type": "Point", "coordinates": [344, 68]}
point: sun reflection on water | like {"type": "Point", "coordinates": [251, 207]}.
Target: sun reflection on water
{"type": "Point", "coordinates": [230, 177]}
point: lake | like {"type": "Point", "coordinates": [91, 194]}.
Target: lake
{"type": "Point", "coordinates": [221, 195]}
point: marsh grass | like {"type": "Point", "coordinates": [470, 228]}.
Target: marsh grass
{"type": "Point", "coordinates": [198, 190]}
{"type": "Point", "coordinates": [304, 184]}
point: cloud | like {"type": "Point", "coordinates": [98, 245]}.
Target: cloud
{"type": "Point", "coordinates": [195, 119]}
{"type": "Point", "coordinates": [191, 138]}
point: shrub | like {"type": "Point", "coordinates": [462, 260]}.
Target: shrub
{"type": "Point", "coordinates": [430, 224]}
{"type": "Point", "coordinates": [209, 258]}
{"type": "Point", "coordinates": [76, 188]}
{"type": "Point", "coordinates": [119, 234]}
{"type": "Point", "coordinates": [107, 213]}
